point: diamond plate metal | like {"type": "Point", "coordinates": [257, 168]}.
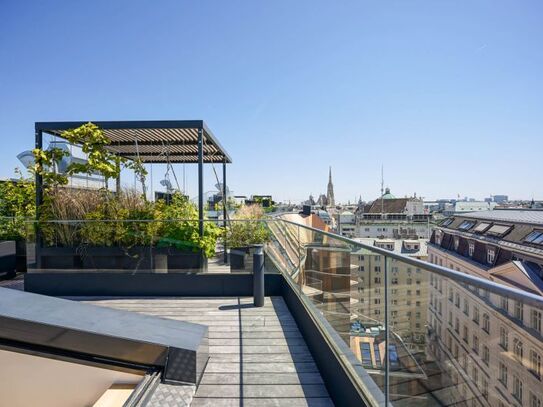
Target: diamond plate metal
{"type": "Point", "coordinates": [169, 395]}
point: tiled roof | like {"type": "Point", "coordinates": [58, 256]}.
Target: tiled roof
{"type": "Point", "coordinates": [395, 205]}
{"type": "Point", "coordinates": [534, 217]}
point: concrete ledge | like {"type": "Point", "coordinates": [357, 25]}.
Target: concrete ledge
{"type": "Point", "coordinates": [99, 333]}
{"type": "Point", "coordinates": [148, 284]}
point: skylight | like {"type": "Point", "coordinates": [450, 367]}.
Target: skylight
{"type": "Point", "coordinates": [481, 227]}
{"type": "Point", "coordinates": [534, 237]}
{"type": "Point", "coordinates": [499, 230]}
{"type": "Point", "coordinates": [447, 222]}
{"type": "Point", "coordinates": [466, 225]}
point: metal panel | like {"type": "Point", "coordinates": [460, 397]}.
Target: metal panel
{"type": "Point", "coordinates": [99, 332]}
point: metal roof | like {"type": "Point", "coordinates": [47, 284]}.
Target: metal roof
{"type": "Point", "coordinates": [174, 141]}
{"type": "Point", "coordinates": [533, 217]}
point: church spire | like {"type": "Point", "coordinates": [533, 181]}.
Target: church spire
{"type": "Point", "coordinates": [330, 200]}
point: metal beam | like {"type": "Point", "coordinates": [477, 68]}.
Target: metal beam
{"type": "Point", "coordinates": [39, 197]}
{"type": "Point", "coordinates": [201, 181]}
{"type": "Point", "coordinates": [58, 127]}
{"type": "Point", "coordinates": [224, 200]}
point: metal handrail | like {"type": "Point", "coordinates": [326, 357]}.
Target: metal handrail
{"type": "Point", "coordinates": [513, 293]}
{"type": "Point", "coordinates": [457, 276]}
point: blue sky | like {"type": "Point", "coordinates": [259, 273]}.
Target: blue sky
{"type": "Point", "coordinates": [447, 95]}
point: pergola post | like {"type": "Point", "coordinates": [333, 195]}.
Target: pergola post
{"type": "Point", "coordinates": [224, 206]}
{"type": "Point", "coordinates": [39, 197]}
{"type": "Point", "coordinates": [201, 181]}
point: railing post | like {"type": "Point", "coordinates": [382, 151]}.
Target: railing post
{"type": "Point", "coordinates": [258, 276]}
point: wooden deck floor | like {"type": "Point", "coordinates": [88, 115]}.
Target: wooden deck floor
{"type": "Point", "coordinates": [257, 355]}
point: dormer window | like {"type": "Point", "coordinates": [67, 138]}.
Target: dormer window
{"type": "Point", "coordinates": [471, 248]}
{"type": "Point", "coordinates": [481, 227]}
{"type": "Point", "coordinates": [499, 230]}
{"type": "Point", "coordinates": [490, 255]}
{"type": "Point", "coordinates": [536, 237]}
{"type": "Point", "coordinates": [447, 222]}
{"type": "Point", "coordinates": [466, 225]}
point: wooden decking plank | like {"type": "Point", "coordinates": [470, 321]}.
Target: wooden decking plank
{"type": "Point", "coordinates": [258, 356]}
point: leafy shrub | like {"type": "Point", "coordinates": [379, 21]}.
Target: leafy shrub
{"type": "Point", "coordinates": [247, 227]}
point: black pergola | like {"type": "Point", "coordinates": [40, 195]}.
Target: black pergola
{"type": "Point", "coordinates": [166, 141]}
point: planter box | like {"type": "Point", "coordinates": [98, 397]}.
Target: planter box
{"type": "Point", "coordinates": [59, 258]}
{"type": "Point", "coordinates": [182, 260]}
{"type": "Point", "coordinates": [137, 258]}
{"type": "Point", "coordinates": [241, 259]}
{"type": "Point", "coordinates": [7, 257]}
{"type": "Point", "coordinates": [20, 256]}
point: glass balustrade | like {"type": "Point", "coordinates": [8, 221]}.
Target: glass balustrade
{"type": "Point", "coordinates": [406, 331]}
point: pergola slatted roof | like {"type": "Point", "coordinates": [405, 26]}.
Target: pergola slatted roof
{"type": "Point", "coordinates": [174, 141]}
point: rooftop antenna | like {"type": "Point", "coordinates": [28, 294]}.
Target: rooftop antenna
{"type": "Point", "coordinates": [382, 192]}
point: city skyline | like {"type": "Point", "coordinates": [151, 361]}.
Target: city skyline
{"type": "Point", "coordinates": [352, 86]}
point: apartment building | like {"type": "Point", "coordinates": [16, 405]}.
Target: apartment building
{"type": "Point", "coordinates": [408, 293]}
{"type": "Point", "coordinates": [391, 217]}
{"type": "Point", "coordinates": [492, 346]}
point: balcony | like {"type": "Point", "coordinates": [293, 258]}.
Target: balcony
{"type": "Point", "coordinates": [328, 333]}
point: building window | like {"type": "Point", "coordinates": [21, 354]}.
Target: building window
{"type": "Point", "coordinates": [535, 363]}
{"type": "Point", "coordinates": [360, 268]}
{"type": "Point", "coordinates": [535, 320]}
{"type": "Point", "coordinates": [377, 301]}
{"type": "Point", "coordinates": [466, 306]}
{"type": "Point", "coordinates": [484, 388]}
{"type": "Point", "coordinates": [504, 304]}
{"type": "Point", "coordinates": [518, 349]}
{"type": "Point", "coordinates": [517, 388]}
{"type": "Point", "coordinates": [465, 335]}
{"type": "Point", "coordinates": [471, 249]}
{"type": "Point", "coordinates": [486, 323]}
{"type": "Point", "coordinates": [475, 375]}
{"type": "Point", "coordinates": [490, 255]}
{"type": "Point", "coordinates": [450, 318]}
{"type": "Point", "coordinates": [457, 300]}
{"type": "Point", "coordinates": [456, 325]}
{"type": "Point", "coordinates": [377, 280]}
{"type": "Point", "coordinates": [360, 258]}
{"type": "Point", "coordinates": [504, 340]}
{"type": "Point", "coordinates": [486, 355]}
{"type": "Point", "coordinates": [476, 315]}
{"type": "Point", "coordinates": [535, 401]}
{"type": "Point", "coordinates": [394, 280]}
{"type": "Point", "coordinates": [519, 310]}
{"type": "Point", "coordinates": [503, 374]}
{"type": "Point", "coordinates": [475, 346]}
{"type": "Point", "coordinates": [450, 294]}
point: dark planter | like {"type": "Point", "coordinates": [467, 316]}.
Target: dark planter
{"type": "Point", "coordinates": [137, 258]}
{"type": "Point", "coordinates": [20, 256]}
{"type": "Point", "coordinates": [8, 257]}
{"type": "Point", "coordinates": [59, 258]}
{"type": "Point", "coordinates": [241, 258]}
{"type": "Point", "coordinates": [178, 260]}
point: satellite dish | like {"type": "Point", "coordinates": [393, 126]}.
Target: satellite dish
{"type": "Point", "coordinates": [26, 158]}
{"type": "Point", "coordinates": [166, 183]}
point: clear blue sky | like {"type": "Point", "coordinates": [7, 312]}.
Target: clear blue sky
{"type": "Point", "coordinates": [448, 95]}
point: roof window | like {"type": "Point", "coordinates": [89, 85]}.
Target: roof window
{"type": "Point", "coordinates": [466, 225]}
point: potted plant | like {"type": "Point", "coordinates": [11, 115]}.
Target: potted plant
{"type": "Point", "coordinates": [17, 205]}
{"type": "Point", "coordinates": [244, 232]}
{"type": "Point", "coordinates": [177, 235]}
